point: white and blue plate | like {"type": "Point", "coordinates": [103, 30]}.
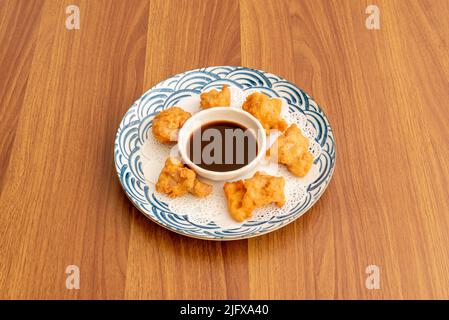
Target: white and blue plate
{"type": "Point", "coordinates": [133, 132]}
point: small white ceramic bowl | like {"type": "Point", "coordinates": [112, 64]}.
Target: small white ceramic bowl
{"type": "Point", "coordinates": [221, 114]}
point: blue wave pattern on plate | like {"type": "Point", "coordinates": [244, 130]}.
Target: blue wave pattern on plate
{"type": "Point", "coordinates": [136, 124]}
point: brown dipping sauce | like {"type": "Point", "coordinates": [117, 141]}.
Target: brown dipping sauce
{"type": "Point", "coordinates": [222, 146]}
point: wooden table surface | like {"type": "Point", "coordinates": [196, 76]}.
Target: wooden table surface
{"type": "Point", "coordinates": [63, 94]}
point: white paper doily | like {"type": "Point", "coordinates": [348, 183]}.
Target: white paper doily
{"type": "Point", "coordinates": [213, 207]}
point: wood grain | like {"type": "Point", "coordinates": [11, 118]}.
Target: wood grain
{"type": "Point", "coordinates": [63, 93]}
{"type": "Point", "coordinates": [61, 204]}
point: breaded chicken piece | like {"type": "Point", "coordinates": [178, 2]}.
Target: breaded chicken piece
{"type": "Point", "coordinates": [215, 98]}
{"type": "Point", "coordinates": [244, 196]}
{"type": "Point", "coordinates": [176, 180]}
{"type": "Point", "coordinates": [234, 192]}
{"type": "Point", "coordinates": [292, 150]}
{"type": "Point", "coordinates": [201, 189]}
{"type": "Point", "coordinates": [167, 123]}
{"type": "Point", "coordinates": [267, 110]}
{"type": "Point", "coordinates": [263, 189]}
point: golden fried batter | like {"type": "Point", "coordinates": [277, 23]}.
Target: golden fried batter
{"type": "Point", "coordinates": [267, 110]}
{"type": "Point", "coordinates": [263, 189]}
{"type": "Point", "coordinates": [246, 195]}
{"type": "Point", "coordinates": [201, 189]}
{"type": "Point", "coordinates": [234, 192]}
{"type": "Point", "coordinates": [167, 122]}
{"type": "Point", "coordinates": [216, 98]}
{"type": "Point", "coordinates": [176, 180]}
{"type": "Point", "coordinates": [292, 150]}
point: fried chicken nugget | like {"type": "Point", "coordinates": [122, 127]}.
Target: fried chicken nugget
{"type": "Point", "coordinates": [263, 189]}
{"type": "Point", "coordinates": [267, 110]}
{"type": "Point", "coordinates": [292, 150]}
{"type": "Point", "coordinates": [201, 189]}
{"type": "Point", "coordinates": [234, 192]}
{"type": "Point", "coordinates": [244, 196]}
{"type": "Point", "coordinates": [216, 98]}
{"type": "Point", "coordinates": [176, 180]}
{"type": "Point", "coordinates": [167, 123]}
